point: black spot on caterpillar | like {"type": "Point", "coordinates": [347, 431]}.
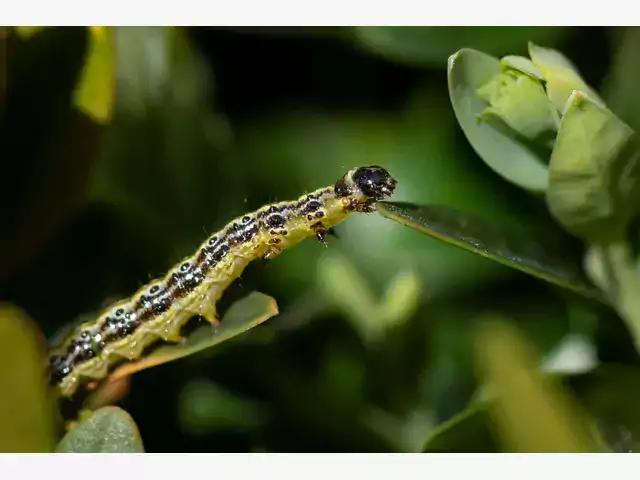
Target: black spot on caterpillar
{"type": "Point", "coordinates": [160, 309]}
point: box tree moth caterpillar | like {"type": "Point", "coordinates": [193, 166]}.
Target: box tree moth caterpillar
{"type": "Point", "coordinates": [160, 309]}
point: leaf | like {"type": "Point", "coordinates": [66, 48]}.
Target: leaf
{"type": "Point", "coordinates": [522, 65]}
{"type": "Point", "coordinates": [513, 159]}
{"type": "Point", "coordinates": [531, 412]}
{"type": "Point", "coordinates": [561, 76]}
{"type": "Point", "coordinates": [242, 316]}
{"type": "Point", "coordinates": [165, 136]}
{"type": "Point", "coordinates": [610, 393]}
{"type": "Point", "coordinates": [432, 45]}
{"type": "Point", "coordinates": [594, 173]}
{"type": "Point", "coordinates": [107, 430]}
{"type": "Point", "coordinates": [521, 102]}
{"type": "Point", "coordinates": [311, 148]}
{"type": "Point", "coordinates": [345, 288]}
{"type": "Point", "coordinates": [613, 268]}
{"type": "Point", "coordinates": [466, 432]}
{"type": "Point", "coordinates": [510, 247]}
{"type": "Point", "coordinates": [26, 422]}
{"type": "Point", "coordinates": [27, 32]}
{"type": "Point", "coordinates": [95, 92]}
{"type": "Point", "coordinates": [401, 298]}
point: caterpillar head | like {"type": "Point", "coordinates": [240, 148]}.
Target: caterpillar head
{"type": "Point", "coordinates": [363, 186]}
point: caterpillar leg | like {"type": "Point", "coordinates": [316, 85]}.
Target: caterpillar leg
{"type": "Point", "coordinates": [169, 331]}
{"type": "Point", "coordinates": [207, 310]}
{"type": "Point", "coordinates": [69, 385]}
{"type": "Point", "coordinates": [209, 313]}
{"type": "Point", "coordinates": [213, 318]}
{"type": "Point", "coordinates": [133, 350]}
{"type": "Point", "coordinates": [99, 370]}
{"type": "Point", "coordinates": [272, 253]}
{"type": "Point", "coordinates": [96, 370]}
{"type": "Point", "coordinates": [367, 207]}
{"type": "Point", "coordinates": [205, 305]}
{"type": "Point", "coordinates": [321, 232]}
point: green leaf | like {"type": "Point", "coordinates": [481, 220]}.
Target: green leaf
{"type": "Point", "coordinates": [164, 135]}
{"type": "Point", "coordinates": [345, 288]}
{"type": "Point", "coordinates": [531, 412]}
{"type": "Point", "coordinates": [242, 316]}
{"type": "Point", "coordinates": [594, 173]}
{"type": "Point", "coordinates": [510, 247]}
{"type": "Point", "coordinates": [401, 297]}
{"type": "Point", "coordinates": [613, 268]}
{"type": "Point", "coordinates": [432, 45]}
{"type": "Point", "coordinates": [26, 422]}
{"type": "Point", "coordinates": [27, 32]}
{"type": "Point", "coordinates": [609, 393]}
{"type": "Point", "coordinates": [107, 430]}
{"type": "Point", "coordinates": [521, 102]}
{"type": "Point", "coordinates": [95, 92]}
{"type": "Point", "coordinates": [466, 432]}
{"type": "Point", "coordinates": [561, 76]}
{"type": "Point", "coordinates": [510, 157]}
{"type": "Point", "coordinates": [522, 65]}
{"type": "Point", "coordinates": [414, 145]}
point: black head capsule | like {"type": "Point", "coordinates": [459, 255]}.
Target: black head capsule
{"type": "Point", "coordinates": [366, 184]}
{"type": "Point", "coordinates": [374, 182]}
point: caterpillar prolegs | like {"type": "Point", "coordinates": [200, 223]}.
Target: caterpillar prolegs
{"type": "Point", "coordinates": [160, 309]}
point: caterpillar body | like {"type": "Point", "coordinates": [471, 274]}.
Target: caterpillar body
{"type": "Point", "coordinates": [158, 311]}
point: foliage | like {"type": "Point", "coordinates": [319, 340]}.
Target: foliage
{"type": "Point", "coordinates": [505, 318]}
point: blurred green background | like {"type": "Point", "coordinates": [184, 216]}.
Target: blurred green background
{"type": "Point", "coordinates": [177, 131]}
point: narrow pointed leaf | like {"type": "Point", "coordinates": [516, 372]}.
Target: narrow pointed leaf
{"type": "Point", "coordinates": [531, 412]}
{"type": "Point", "coordinates": [466, 432]}
{"type": "Point", "coordinates": [561, 75]}
{"type": "Point", "coordinates": [510, 247]}
{"type": "Point", "coordinates": [242, 316]}
{"type": "Point", "coordinates": [95, 93]}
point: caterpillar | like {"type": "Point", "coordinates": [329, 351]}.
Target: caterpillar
{"type": "Point", "coordinates": [158, 310]}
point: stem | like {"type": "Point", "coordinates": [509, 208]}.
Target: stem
{"type": "Point", "coordinates": [622, 283]}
